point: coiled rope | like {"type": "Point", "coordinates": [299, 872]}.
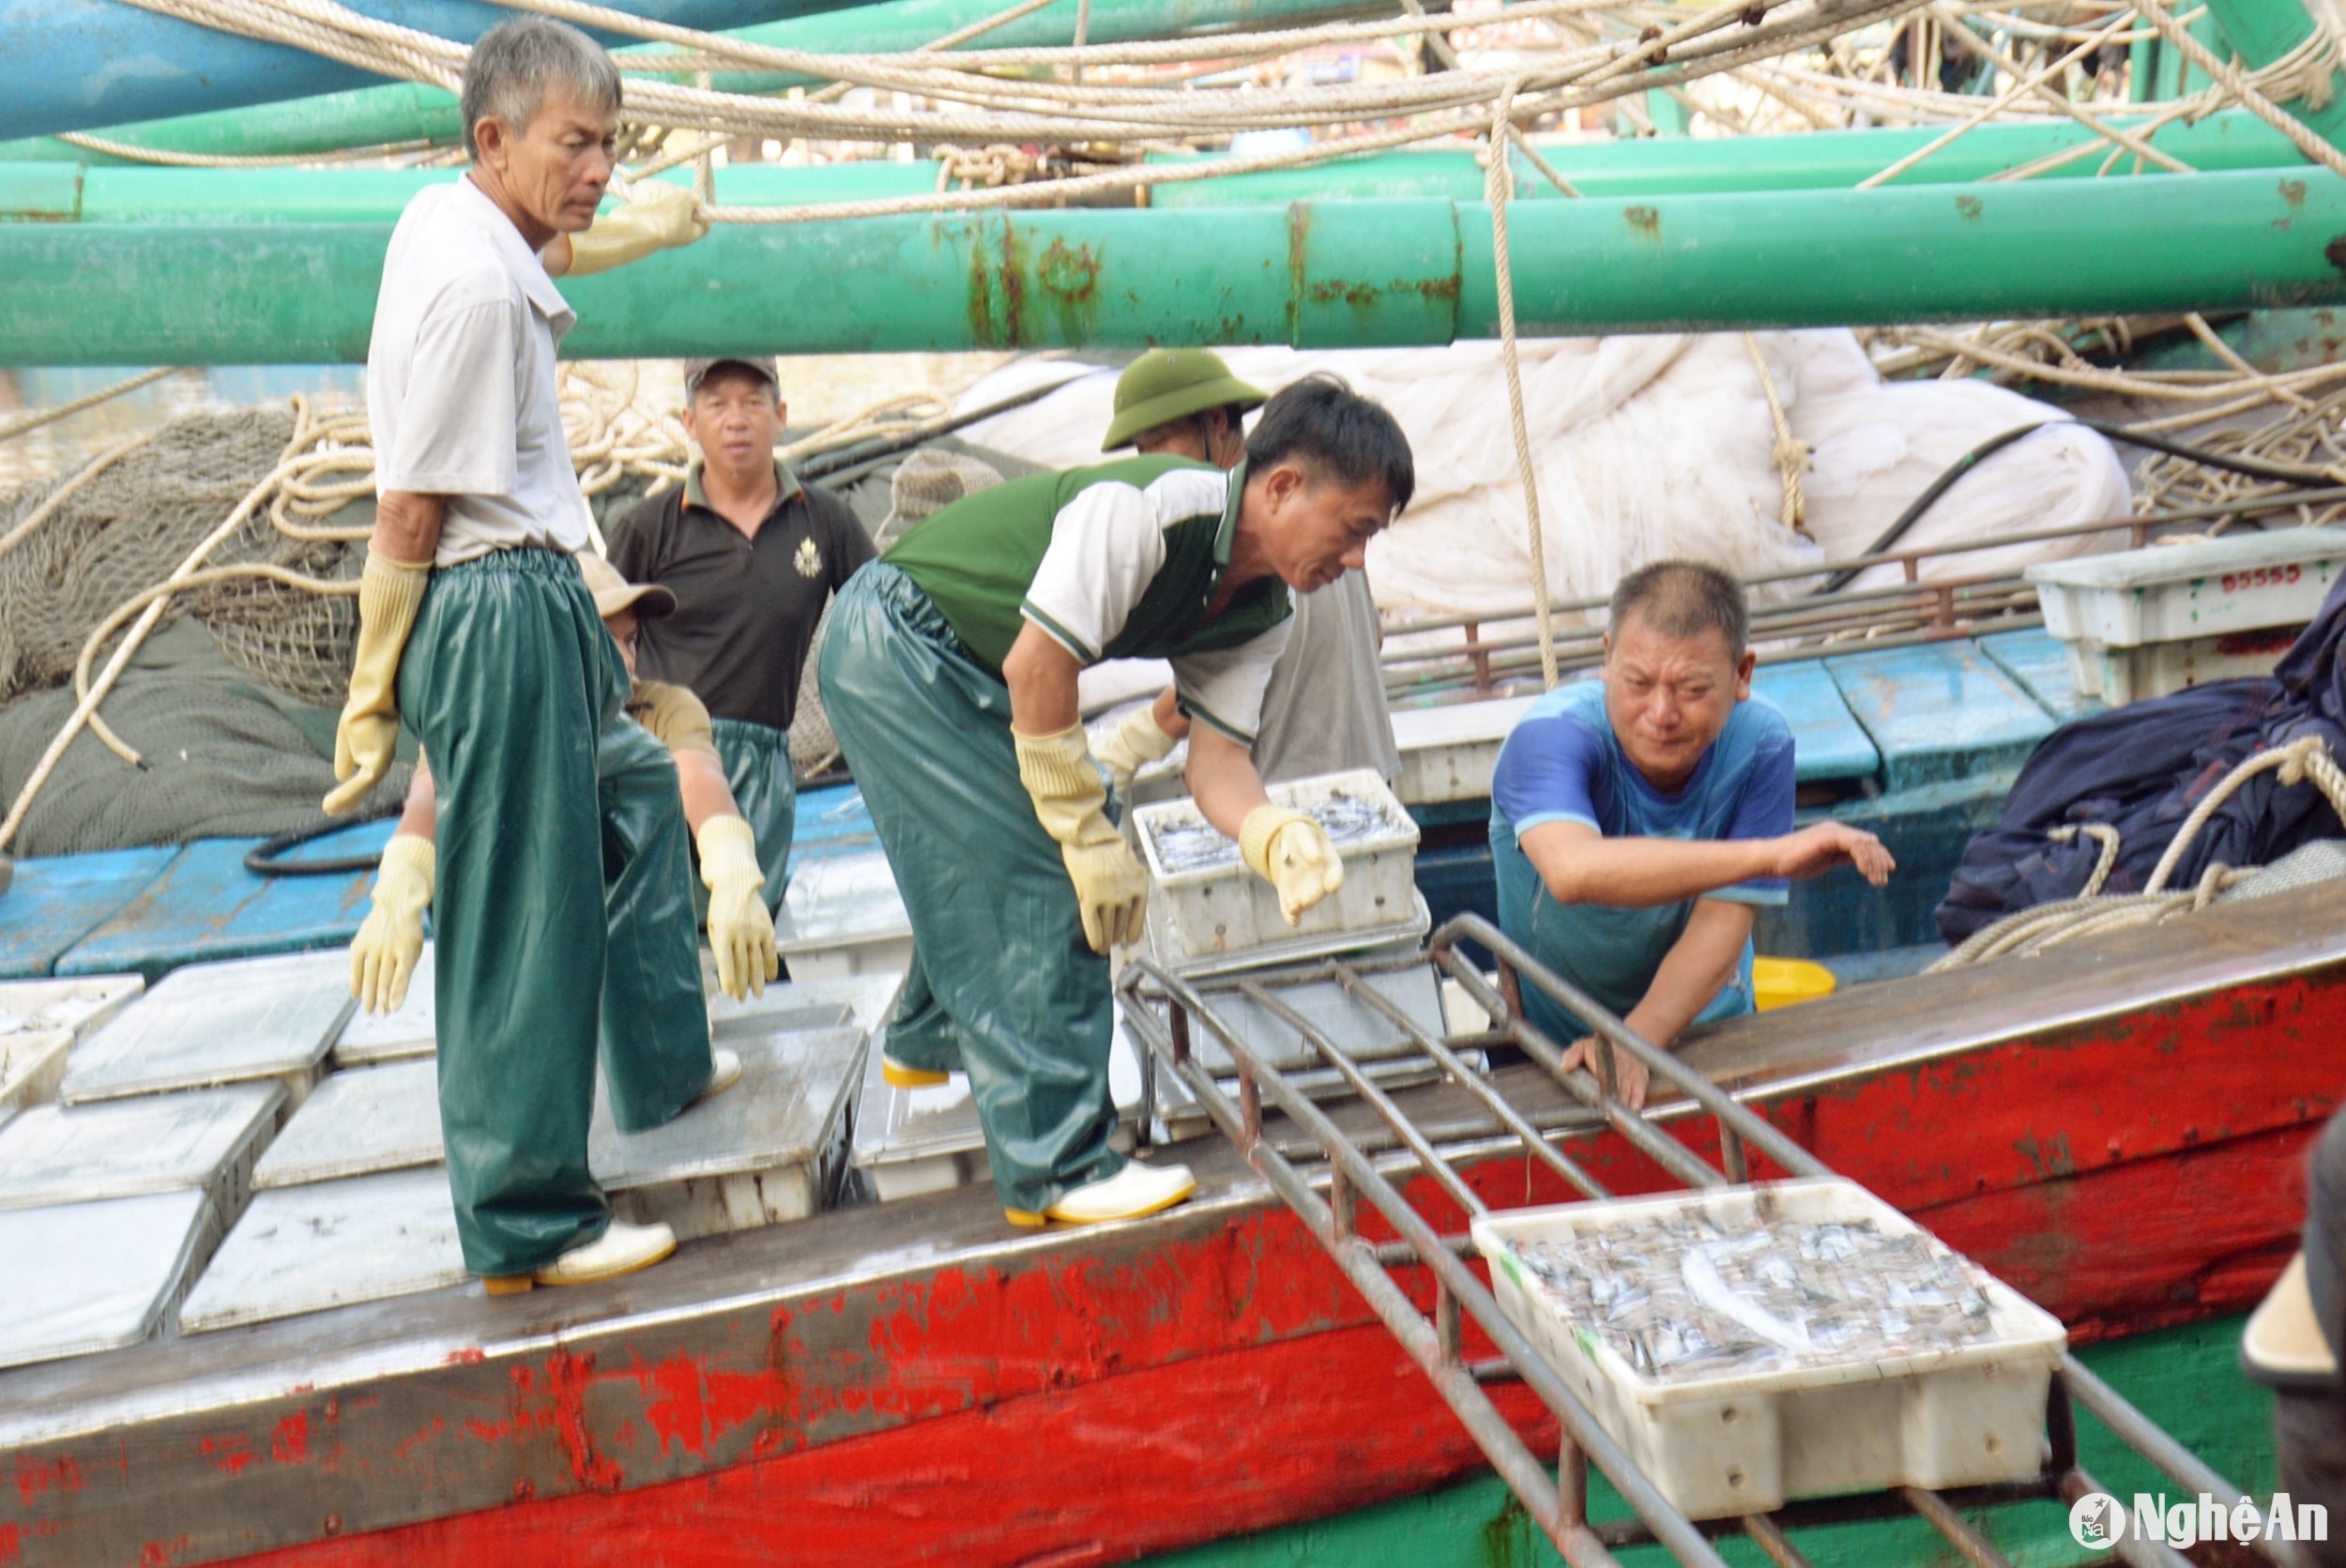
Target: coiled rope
{"type": "Point", "coordinates": [2306, 759]}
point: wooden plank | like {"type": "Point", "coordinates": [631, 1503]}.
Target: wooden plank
{"type": "Point", "coordinates": [1828, 742]}
{"type": "Point", "coordinates": [1944, 710]}
{"type": "Point", "coordinates": [2039, 661]}
{"type": "Point", "coordinates": [56, 902]}
{"type": "Point", "coordinates": [208, 906]}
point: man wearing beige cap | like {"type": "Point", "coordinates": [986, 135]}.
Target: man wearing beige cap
{"type": "Point", "coordinates": [740, 928]}
{"type": "Point", "coordinates": [752, 556]}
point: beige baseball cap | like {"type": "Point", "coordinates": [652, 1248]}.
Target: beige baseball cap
{"type": "Point", "coordinates": [613, 593]}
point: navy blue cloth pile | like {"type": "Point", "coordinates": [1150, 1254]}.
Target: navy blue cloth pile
{"type": "Point", "coordinates": [2142, 768]}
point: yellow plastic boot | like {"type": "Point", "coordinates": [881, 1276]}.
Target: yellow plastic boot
{"type": "Point", "coordinates": [898, 1075]}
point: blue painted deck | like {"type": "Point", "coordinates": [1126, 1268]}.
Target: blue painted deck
{"type": "Point", "coordinates": [1931, 734]}
{"type": "Point", "coordinates": [204, 906]}
{"type": "Point", "coordinates": [831, 822]}
{"type": "Point", "coordinates": [1941, 710]}
{"type": "Point", "coordinates": [54, 904]}
{"type": "Point", "coordinates": [1828, 742]}
{"type": "Point", "coordinates": [2038, 661]}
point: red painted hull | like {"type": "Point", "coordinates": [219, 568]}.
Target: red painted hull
{"type": "Point", "coordinates": [1055, 1404]}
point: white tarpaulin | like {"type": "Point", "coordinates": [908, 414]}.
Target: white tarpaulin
{"type": "Point", "coordinates": [1655, 447]}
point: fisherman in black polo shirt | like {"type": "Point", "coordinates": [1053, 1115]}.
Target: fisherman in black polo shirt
{"type": "Point", "coordinates": [752, 556]}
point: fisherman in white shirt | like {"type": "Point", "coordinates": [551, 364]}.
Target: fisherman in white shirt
{"type": "Point", "coordinates": [557, 812]}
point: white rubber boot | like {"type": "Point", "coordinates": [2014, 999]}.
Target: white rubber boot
{"type": "Point", "coordinates": [1134, 1191]}
{"type": "Point", "coordinates": [623, 1249]}
{"type": "Point", "coordinates": [725, 1071]}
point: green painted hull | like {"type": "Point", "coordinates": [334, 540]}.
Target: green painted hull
{"type": "Point", "coordinates": [2186, 1380]}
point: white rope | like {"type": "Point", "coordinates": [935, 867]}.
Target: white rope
{"type": "Point", "coordinates": [1498, 186]}
{"type": "Point", "coordinates": [67, 410]}
{"type": "Point", "coordinates": [2319, 49]}
{"type": "Point", "coordinates": [1028, 110]}
{"type": "Point", "coordinates": [1791, 453]}
{"type": "Point", "coordinates": [85, 711]}
{"type": "Point", "coordinates": [166, 158]}
{"type": "Point", "coordinates": [2306, 759]}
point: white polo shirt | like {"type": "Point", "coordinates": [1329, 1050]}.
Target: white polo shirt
{"type": "Point", "coordinates": [460, 378]}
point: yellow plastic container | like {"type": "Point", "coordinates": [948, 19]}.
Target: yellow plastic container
{"type": "Point", "coordinates": [1787, 982]}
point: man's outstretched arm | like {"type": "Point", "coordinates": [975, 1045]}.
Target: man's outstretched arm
{"type": "Point", "coordinates": [1579, 866]}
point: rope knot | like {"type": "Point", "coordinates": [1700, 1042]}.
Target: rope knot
{"type": "Point", "coordinates": [2297, 758]}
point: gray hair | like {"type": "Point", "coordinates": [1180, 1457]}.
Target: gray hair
{"type": "Point", "coordinates": [509, 70]}
{"type": "Point", "coordinates": [1685, 599]}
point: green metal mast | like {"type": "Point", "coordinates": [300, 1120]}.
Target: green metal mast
{"type": "Point", "coordinates": [1325, 274]}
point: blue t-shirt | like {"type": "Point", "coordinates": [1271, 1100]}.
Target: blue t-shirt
{"type": "Point", "coordinates": [1562, 764]}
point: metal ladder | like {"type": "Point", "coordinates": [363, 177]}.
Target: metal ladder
{"type": "Point", "coordinates": [1324, 1173]}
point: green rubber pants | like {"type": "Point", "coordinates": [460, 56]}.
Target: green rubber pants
{"type": "Point", "coordinates": [562, 911]}
{"type": "Point", "coordinates": [654, 1024]}
{"type": "Point", "coordinates": [757, 770]}
{"type": "Point", "coordinates": [1002, 985]}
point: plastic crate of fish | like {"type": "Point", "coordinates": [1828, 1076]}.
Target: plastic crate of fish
{"type": "Point", "coordinates": [1748, 1345]}
{"type": "Point", "coordinates": [1202, 899]}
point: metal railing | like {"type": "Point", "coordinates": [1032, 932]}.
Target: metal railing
{"type": "Point", "coordinates": [1324, 1174]}
{"type": "Point", "coordinates": [1814, 625]}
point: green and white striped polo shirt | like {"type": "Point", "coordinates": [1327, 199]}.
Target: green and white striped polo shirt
{"type": "Point", "coordinates": [1117, 561]}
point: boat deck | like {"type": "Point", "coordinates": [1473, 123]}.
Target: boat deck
{"type": "Point", "coordinates": [814, 1381]}
{"type": "Point", "coordinates": [1917, 741]}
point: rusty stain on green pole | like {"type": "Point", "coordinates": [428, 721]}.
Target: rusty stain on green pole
{"type": "Point", "coordinates": [1327, 274]}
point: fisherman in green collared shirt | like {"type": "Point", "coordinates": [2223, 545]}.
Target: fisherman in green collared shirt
{"type": "Point", "coordinates": [948, 675]}
{"type": "Point", "coordinates": [752, 556]}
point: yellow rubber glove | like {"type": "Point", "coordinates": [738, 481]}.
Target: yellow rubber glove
{"type": "Point", "coordinates": [383, 955]}
{"type": "Point", "coordinates": [389, 593]}
{"type": "Point", "coordinates": [657, 217]}
{"type": "Point", "coordinates": [1111, 886]}
{"type": "Point", "coordinates": [740, 928]}
{"type": "Point", "coordinates": [1291, 852]}
{"type": "Point", "coordinates": [1132, 746]}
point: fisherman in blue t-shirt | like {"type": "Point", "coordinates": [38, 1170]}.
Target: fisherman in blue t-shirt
{"type": "Point", "coordinates": [1638, 821]}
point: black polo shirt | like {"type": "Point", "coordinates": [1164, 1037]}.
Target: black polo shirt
{"type": "Point", "coordinates": [746, 608]}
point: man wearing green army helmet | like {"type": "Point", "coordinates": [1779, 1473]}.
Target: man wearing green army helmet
{"type": "Point", "coordinates": [1171, 393]}
{"type": "Point", "coordinates": [1324, 711]}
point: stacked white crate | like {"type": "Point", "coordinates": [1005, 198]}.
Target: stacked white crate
{"type": "Point", "coordinates": [2145, 623]}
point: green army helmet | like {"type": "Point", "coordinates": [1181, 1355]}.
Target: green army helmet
{"type": "Point", "coordinates": [1169, 384]}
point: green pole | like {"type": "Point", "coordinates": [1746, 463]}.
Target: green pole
{"type": "Point", "coordinates": [1812, 161]}
{"type": "Point", "coordinates": [63, 192]}
{"type": "Point", "coordinates": [1325, 274]}
{"type": "Point", "coordinates": [2262, 32]}
{"type": "Point", "coordinates": [369, 117]}
{"type": "Point", "coordinates": [1823, 161]}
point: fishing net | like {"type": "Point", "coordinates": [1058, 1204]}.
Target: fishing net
{"type": "Point", "coordinates": [132, 525]}
{"type": "Point", "coordinates": [221, 760]}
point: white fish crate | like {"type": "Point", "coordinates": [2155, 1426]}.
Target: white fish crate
{"type": "Point", "coordinates": [1735, 1443]}
{"type": "Point", "coordinates": [842, 917]}
{"type": "Point", "coordinates": [1218, 907]}
{"type": "Point", "coordinates": [2143, 623]}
